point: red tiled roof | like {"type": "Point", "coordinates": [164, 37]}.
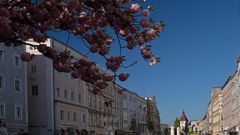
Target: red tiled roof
{"type": "Point", "coordinates": [183, 117]}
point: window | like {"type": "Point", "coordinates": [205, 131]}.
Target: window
{"type": "Point", "coordinates": [58, 92]}
{"type": "Point", "coordinates": [34, 90]}
{"type": "Point", "coordinates": [72, 96]}
{"type": "Point", "coordinates": [1, 56]}
{"type": "Point", "coordinates": [1, 81]}
{"type": "Point", "coordinates": [99, 103]}
{"type": "Point", "coordinates": [62, 115]}
{"type": "Point", "coordinates": [33, 69]}
{"type": "Point", "coordinates": [65, 94]}
{"type": "Point", "coordinates": [68, 116]}
{"type": "Point", "coordinates": [124, 96]}
{"type": "Point", "coordinates": [79, 98]}
{"type": "Point", "coordinates": [18, 112]}
{"type": "Point", "coordinates": [90, 99]}
{"type": "Point", "coordinates": [74, 116]}
{"type": "Point", "coordinates": [90, 119]}
{"type": "Point", "coordinates": [94, 101]}
{"type": "Point", "coordinates": [17, 61]}
{"type": "Point", "coordinates": [2, 110]}
{"type": "Point", "coordinates": [17, 85]}
{"type": "Point", "coordinates": [84, 118]}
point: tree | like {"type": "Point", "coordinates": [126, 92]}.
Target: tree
{"type": "Point", "coordinates": [176, 123]}
{"type": "Point", "coordinates": [186, 130]}
{"type": "Point", "coordinates": [92, 21]}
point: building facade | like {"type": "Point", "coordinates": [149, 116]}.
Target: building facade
{"type": "Point", "coordinates": [217, 124]}
{"type": "Point", "coordinates": [203, 125]}
{"type": "Point", "coordinates": [118, 117]}
{"type": "Point", "coordinates": [44, 101]}
{"type": "Point", "coordinates": [101, 111]}
{"type": "Point", "coordinates": [13, 90]}
{"type": "Point", "coordinates": [130, 106]}
{"type": "Point", "coordinates": [141, 116]}
{"type": "Point", "coordinates": [223, 110]}
{"type": "Point", "coordinates": [210, 125]}
{"type": "Point", "coordinates": [153, 116]}
{"type": "Point", "coordinates": [227, 105]}
{"type": "Point", "coordinates": [61, 100]}
{"type": "Point", "coordinates": [231, 104]}
{"type": "Point", "coordinates": [165, 130]}
{"type": "Point", "coordinates": [195, 127]}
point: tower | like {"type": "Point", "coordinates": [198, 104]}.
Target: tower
{"type": "Point", "coordinates": [183, 120]}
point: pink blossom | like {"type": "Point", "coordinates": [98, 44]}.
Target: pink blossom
{"type": "Point", "coordinates": [151, 33]}
{"type": "Point", "coordinates": [4, 12]}
{"type": "Point", "coordinates": [83, 14]}
{"type": "Point", "coordinates": [145, 22]}
{"type": "Point", "coordinates": [123, 1]}
{"type": "Point", "coordinates": [158, 27]}
{"type": "Point", "coordinates": [135, 7]}
{"type": "Point", "coordinates": [153, 61]}
{"type": "Point", "coordinates": [109, 41]}
{"type": "Point", "coordinates": [123, 33]}
{"type": "Point", "coordinates": [141, 40]}
{"type": "Point", "coordinates": [145, 12]}
{"type": "Point", "coordinates": [91, 21]}
{"type": "Point", "coordinates": [146, 53]}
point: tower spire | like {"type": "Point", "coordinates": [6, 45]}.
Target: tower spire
{"type": "Point", "coordinates": [183, 116]}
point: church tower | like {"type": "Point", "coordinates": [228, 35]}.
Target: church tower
{"type": "Point", "coordinates": [183, 120]}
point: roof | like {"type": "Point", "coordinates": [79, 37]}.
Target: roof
{"type": "Point", "coordinates": [205, 117]}
{"type": "Point", "coordinates": [183, 117]}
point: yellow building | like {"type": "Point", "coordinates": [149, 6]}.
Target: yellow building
{"type": "Point", "coordinates": [231, 102]}
{"type": "Point", "coordinates": [216, 99]}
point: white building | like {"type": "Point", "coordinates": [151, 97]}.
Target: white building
{"type": "Point", "coordinates": [134, 113]}
{"type": "Point", "coordinates": [118, 117]}
{"type": "Point", "coordinates": [13, 90]}
{"type": "Point", "coordinates": [195, 126]}
{"type": "Point", "coordinates": [142, 115]}
{"type": "Point", "coordinates": [129, 101]}
{"type": "Point", "coordinates": [57, 102]}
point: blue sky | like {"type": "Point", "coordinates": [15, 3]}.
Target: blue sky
{"type": "Point", "coordinates": [198, 48]}
{"type": "Point", "coordinates": [198, 51]}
